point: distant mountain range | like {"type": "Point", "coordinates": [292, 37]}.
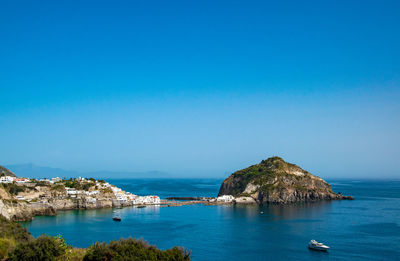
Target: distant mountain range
{"type": "Point", "coordinates": [33, 171]}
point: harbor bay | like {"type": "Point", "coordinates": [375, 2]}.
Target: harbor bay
{"type": "Point", "coordinates": [362, 229]}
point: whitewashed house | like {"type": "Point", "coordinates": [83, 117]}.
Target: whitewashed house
{"type": "Point", "coordinates": [91, 200]}
{"type": "Point", "coordinates": [71, 191]}
{"type": "Point", "coordinates": [47, 181]}
{"type": "Point", "coordinates": [21, 180]}
{"type": "Point", "coordinates": [6, 179]}
{"type": "Point", "coordinates": [225, 198]}
{"type": "Point", "coordinates": [56, 179]}
{"type": "Point", "coordinates": [90, 193]}
{"type": "Point", "coordinates": [122, 198]}
{"type": "Point", "coordinates": [151, 200]}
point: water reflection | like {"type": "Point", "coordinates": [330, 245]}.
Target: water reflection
{"type": "Point", "coordinates": [298, 211]}
{"type": "Point", "coordinates": [277, 212]}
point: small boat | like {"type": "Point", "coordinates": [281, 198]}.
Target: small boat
{"type": "Point", "coordinates": [141, 206]}
{"type": "Point", "coordinates": [116, 218]}
{"type": "Point", "coordinates": [317, 246]}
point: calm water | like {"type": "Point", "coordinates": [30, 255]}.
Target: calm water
{"type": "Point", "coordinates": [367, 228]}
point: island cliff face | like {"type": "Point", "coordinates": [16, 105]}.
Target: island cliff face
{"type": "Point", "coordinates": [278, 182]}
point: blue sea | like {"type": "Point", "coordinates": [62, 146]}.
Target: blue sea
{"type": "Point", "coordinates": [367, 228]}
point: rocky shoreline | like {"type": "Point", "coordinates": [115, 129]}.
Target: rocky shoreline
{"type": "Point", "coordinates": [21, 199]}
{"type": "Point", "coordinates": [22, 211]}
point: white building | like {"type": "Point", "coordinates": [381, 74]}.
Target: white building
{"type": "Point", "coordinates": [115, 189]}
{"type": "Point", "coordinates": [56, 179]}
{"type": "Point", "coordinates": [6, 179]}
{"type": "Point", "coordinates": [90, 193]}
{"type": "Point", "coordinates": [156, 200]}
{"type": "Point", "coordinates": [225, 198]}
{"type": "Point", "coordinates": [122, 198]}
{"type": "Point", "coordinates": [71, 191]}
{"type": "Point", "coordinates": [21, 180]}
{"type": "Point", "coordinates": [47, 180]}
{"type": "Point", "coordinates": [103, 185]}
{"type": "Point", "coordinates": [147, 200]}
{"type": "Point", "coordinates": [91, 200]}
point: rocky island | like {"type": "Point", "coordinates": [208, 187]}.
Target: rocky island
{"type": "Point", "coordinates": [275, 181]}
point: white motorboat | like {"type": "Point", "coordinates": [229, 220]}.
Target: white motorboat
{"type": "Point", "coordinates": [317, 246]}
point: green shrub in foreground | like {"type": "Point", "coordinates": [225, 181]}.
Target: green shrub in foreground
{"type": "Point", "coordinates": [11, 234]}
{"type": "Point", "coordinates": [6, 246]}
{"type": "Point", "coordinates": [17, 244]}
{"type": "Point", "coordinates": [9, 229]}
{"type": "Point", "coordinates": [44, 248]}
{"type": "Point", "coordinates": [135, 250]}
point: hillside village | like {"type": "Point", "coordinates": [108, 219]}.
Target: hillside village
{"type": "Point", "coordinates": [23, 198]}
{"type": "Point", "coordinates": [74, 188]}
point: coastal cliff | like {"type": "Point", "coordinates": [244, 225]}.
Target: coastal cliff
{"type": "Point", "coordinates": [278, 182]}
{"type": "Point", "coordinates": [48, 205]}
{"type": "Point", "coordinates": [21, 199]}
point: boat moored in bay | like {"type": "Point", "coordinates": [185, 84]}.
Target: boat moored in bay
{"type": "Point", "coordinates": [117, 218]}
{"type": "Point", "coordinates": [314, 245]}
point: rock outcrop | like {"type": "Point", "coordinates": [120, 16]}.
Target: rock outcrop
{"type": "Point", "coordinates": [47, 200]}
{"type": "Point", "coordinates": [21, 211]}
{"type": "Point", "coordinates": [278, 182]}
{"type": "Point", "coordinates": [24, 211]}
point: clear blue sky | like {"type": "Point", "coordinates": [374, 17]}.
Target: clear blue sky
{"type": "Point", "coordinates": [201, 88]}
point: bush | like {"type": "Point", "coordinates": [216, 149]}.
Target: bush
{"type": "Point", "coordinates": [6, 246]}
{"type": "Point", "coordinates": [107, 191]}
{"type": "Point", "coordinates": [98, 251]}
{"type": "Point", "coordinates": [132, 249]}
{"type": "Point", "coordinates": [74, 254]}
{"type": "Point", "coordinates": [86, 186]}
{"type": "Point", "coordinates": [58, 187]}
{"type": "Point", "coordinates": [9, 229]}
{"type": "Point", "coordinates": [73, 184]}
{"type": "Point", "coordinates": [13, 188]}
{"type": "Point", "coordinates": [11, 233]}
{"type": "Point", "coordinates": [44, 248]}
